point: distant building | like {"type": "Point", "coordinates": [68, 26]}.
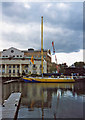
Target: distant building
{"type": "Point", "coordinates": [14, 62]}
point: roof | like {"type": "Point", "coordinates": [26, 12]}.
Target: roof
{"type": "Point", "coordinates": [29, 50]}
{"type": "Point", "coordinates": [33, 50]}
{"type": "Point", "coordinates": [11, 48]}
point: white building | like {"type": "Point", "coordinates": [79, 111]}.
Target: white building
{"type": "Point", "coordinates": [13, 63]}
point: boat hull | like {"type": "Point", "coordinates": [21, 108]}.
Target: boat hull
{"type": "Point", "coordinates": [48, 80]}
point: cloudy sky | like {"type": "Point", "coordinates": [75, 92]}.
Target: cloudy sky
{"type": "Point", "coordinates": [63, 24]}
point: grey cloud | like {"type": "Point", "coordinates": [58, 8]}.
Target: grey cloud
{"type": "Point", "coordinates": [18, 13]}
{"type": "Point", "coordinates": [64, 44]}
{"type": "Point", "coordinates": [70, 19]}
{"type": "Point", "coordinates": [24, 41]}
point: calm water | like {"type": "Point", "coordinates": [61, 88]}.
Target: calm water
{"type": "Point", "coordinates": [48, 100]}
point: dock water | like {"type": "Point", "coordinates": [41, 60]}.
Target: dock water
{"type": "Point", "coordinates": [11, 105]}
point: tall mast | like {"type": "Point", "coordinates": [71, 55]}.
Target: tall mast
{"type": "Point", "coordinates": [42, 44]}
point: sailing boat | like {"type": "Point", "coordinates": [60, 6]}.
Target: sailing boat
{"type": "Point", "coordinates": [44, 79]}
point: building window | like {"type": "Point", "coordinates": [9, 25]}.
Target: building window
{"type": "Point", "coordinates": [34, 72]}
{"type": "Point", "coordinates": [17, 66]}
{"type": "Point", "coordinates": [26, 71]}
{"type": "Point", "coordinates": [0, 66]}
{"type": "Point", "coordinates": [3, 71]}
{"type": "Point", "coordinates": [40, 66]}
{"type": "Point", "coordinates": [20, 55]}
{"type": "Point", "coordinates": [9, 66]}
{"type": "Point", "coordinates": [3, 56]}
{"type": "Point", "coordinates": [40, 72]}
{"type": "Point", "coordinates": [17, 71]}
{"type": "Point", "coordinates": [34, 66]}
{"type": "Point", "coordinates": [26, 66]}
{"type": "Point", "coordinates": [6, 56]}
{"type": "Point", "coordinates": [13, 55]}
{"type": "Point", "coordinates": [13, 71]}
{"type": "Point", "coordinates": [3, 66]}
{"type": "Point", "coordinates": [13, 66]}
{"type": "Point", "coordinates": [12, 51]}
{"type": "Point", "coordinates": [9, 71]}
{"type": "Point", "coordinates": [17, 55]}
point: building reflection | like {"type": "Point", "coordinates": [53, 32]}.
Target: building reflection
{"type": "Point", "coordinates": [40, 94]}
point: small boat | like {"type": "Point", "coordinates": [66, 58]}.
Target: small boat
{"type": "Point", "coordinates": [48, 80]}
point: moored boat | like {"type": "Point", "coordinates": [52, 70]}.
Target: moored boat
{"type": "Point", "coordinates": [47, 80]}
{"type": "Point", "coordinates": [44, 79]}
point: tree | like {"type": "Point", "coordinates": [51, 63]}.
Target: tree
{"type": "Point", "coordinates": [53, 69]}
{"type": "Point", "coordinates": [62, 67]}
{"type": "Point", "coordinates": [61, 70]}
{"type": "Point", "coordinates": [79, 64]}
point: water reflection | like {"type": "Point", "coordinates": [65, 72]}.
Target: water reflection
{"type": "Point", "coordinates": [48, 100]}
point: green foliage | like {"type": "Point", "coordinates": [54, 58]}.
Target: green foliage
{"type": "Point", "coordinates": [79, 64]}
{"type": "Point", "coordinates": [53, 69]}
{"type": "Point", "coordinates": [61, 70]}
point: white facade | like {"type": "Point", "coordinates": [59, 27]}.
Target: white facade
{"type": "Point", "coordinates": [12, 52]}
{"type": "Point", "coordinates": [13, 64]}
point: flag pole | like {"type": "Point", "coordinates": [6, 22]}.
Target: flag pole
{"type": "Point", "coordinates": [42, 44]}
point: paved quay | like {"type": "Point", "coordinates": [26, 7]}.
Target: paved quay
{"type": "Point", "coordinates": [11, 105]}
